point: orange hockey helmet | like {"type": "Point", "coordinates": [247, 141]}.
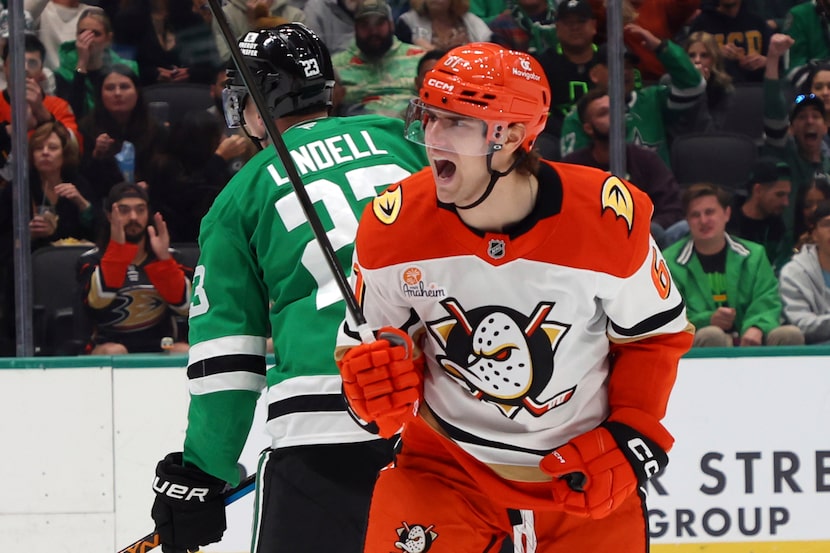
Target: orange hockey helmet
{"type": "Point", "coordinates": [486, 81]}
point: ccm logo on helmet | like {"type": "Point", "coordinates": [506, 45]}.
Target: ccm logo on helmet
{"type": "Point", "coordinates": [441, 85]}
{"type": "Point", "coordinates": [640, 450]}
{"type": "Point", "coordinates": [177, 491]}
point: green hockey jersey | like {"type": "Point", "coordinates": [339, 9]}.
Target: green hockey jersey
{"type": "Point", "coordinates": [650, 111]}
{"type": "Point", "coordinates": [261, 273]}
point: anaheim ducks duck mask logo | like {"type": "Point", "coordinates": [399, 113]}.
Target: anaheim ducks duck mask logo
{"type": "Point", "coordinates": [504, 357]}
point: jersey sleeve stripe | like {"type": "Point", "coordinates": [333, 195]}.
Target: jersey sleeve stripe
{"type": "Point", "coordinates": [227, 345]}
{"type": "Point", "coordinates": [306, 404]}
{"type": "Point", "coordinates": [650, 324]}
{"type": "Point", "coordinates": [226, 364]}
{"type": "Point", "coordinates": [227, 382]}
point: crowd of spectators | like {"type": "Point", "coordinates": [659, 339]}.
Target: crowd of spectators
{"type": "Point", "coordinates": [91, 130]}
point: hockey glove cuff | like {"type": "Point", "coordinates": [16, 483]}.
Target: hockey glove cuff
{"type": "Point", "coordinates": [382, 382]}
{"type": "Point", "coordinates": [596, 472]}
{"type": "Point", "coordinates": [189, 510]}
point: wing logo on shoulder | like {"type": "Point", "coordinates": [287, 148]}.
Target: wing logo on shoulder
{"type": "Point", "coordinates": [387, 206]}
{"type": "Point", "coordinates": [617, 197]}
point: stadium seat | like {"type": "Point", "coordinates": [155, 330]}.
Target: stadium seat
{"type": "Point", "coordinates": [746, 112]}
{"type": "Point", "coordinates": [60, 326]}
{"type": "Point", "coordinates": [181, 98]}
{"type": "Point", "coordinates": [724, 159]}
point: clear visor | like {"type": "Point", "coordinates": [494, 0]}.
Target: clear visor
{"type": "Point", "coordinates": [233, 104]}
{"type": "Point", "coordinates": [450, 132]}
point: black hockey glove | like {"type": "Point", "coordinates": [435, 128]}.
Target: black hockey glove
{"type": "Point", "coordinates": [189, 510]}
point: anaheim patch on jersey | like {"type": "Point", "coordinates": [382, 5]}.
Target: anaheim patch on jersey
{"type": "Point", "coordinates": [415, 538]}
{"type": "Point", "coordinates": [616, 196]}
{"type": "Point", "coordinates": [504, 357]}
{"type": "Point", "coordinates": [387, 206]}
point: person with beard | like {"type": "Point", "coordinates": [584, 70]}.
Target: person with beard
{"type": "Point", "coordinates": [645, 168]}
{"type": "Point", "coordinates": [757, 216]}
{"type": "Point", "coordinates": [653, 113]}
{"type": "Point", "coordinates": [377, 69]}
{"type": "Point", "coordinates": [134, 289]}
{"type": "Point", "coordinates": [796, 140]}
{"type": "Point", "coordinates": [567, 66]}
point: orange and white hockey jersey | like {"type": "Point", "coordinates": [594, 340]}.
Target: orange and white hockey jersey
{"type": "Point", "coordinates": [532, 336]}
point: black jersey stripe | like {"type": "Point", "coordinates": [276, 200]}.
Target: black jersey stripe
{"type": "Point", "coordinates": [227, 364]}
{"type": "Point", "coordinates": [462, 436]}
{"type": "Point", "coordinates": [306, 404]}
{"type": "Point", "coordinates": [652, 323]}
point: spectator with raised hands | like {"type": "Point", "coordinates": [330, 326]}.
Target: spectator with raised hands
{"type": "Point", "coordinates": [83, 61]}
{"type": "Point", "coordinates": [653, 113]}
{"type": "Point", "coordinates": [133, 287]}
{"type": "Point", "coordinates": [795, 137]}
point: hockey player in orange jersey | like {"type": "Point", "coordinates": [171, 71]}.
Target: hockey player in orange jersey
{"type": "Point", "coordinates": [529, 331]}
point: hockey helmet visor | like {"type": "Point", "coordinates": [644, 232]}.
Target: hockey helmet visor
{"type": "Point", "coordinates": [448, 131]}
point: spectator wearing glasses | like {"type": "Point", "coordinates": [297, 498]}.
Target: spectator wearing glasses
{"type": "Point", "coordinates": [84, 60]}
{"type": "Point", "coordinates": [805, 281]}
{"type": "Point", "coordinates": [134, 290]}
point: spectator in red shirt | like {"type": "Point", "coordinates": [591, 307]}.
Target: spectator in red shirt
{"type": "Point", "coordinates": [41, 107]}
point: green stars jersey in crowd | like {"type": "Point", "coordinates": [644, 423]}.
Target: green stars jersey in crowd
{"type": "Point", "coordinates": [261, 273]}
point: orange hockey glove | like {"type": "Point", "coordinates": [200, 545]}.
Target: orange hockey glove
{"type": "Point", "coordinates": [382, 382]}
{"type": "Point", "coordinates": [595, 472]}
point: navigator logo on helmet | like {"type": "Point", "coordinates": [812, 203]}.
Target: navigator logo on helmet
{"type": "Point", "coordinates": [488, 84]}
{"type": "Point", "coordinates": [291, 66]}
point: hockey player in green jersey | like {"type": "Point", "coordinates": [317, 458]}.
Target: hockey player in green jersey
{"type": "Point", "coordinates": [262, 274]}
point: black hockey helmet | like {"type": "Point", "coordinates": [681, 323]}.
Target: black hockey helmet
{"type": "Point", "coordinates": [291, 66]}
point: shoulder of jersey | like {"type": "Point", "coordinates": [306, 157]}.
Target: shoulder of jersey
{"type": "Point", "coordinates": [605, 220]}
{"type": "Point", "coordinates": [397, 215]}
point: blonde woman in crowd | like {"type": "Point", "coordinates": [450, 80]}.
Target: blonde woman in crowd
{"type": "Point", "coordinates": [442, 24]}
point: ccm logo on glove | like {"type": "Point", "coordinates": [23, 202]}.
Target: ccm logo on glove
{"type": "Point", "coordinates": [642, 453]}
{"type": "Point", "coordinates": [177, 491]}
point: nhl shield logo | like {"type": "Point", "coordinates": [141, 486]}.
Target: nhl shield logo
{"type": "Point", "coordinates": [495, 249]}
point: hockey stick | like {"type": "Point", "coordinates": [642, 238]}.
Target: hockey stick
{"type": "Point", "coordinates": [151, 540]}
{"type": "Point", "coordinates": [293, 176]}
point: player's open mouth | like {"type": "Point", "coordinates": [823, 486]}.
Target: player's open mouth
{"type": "Point", "coordinates": [444, 168]}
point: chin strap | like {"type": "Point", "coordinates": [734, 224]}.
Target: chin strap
{"type": "Point", "coordinates": [494, 176]}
